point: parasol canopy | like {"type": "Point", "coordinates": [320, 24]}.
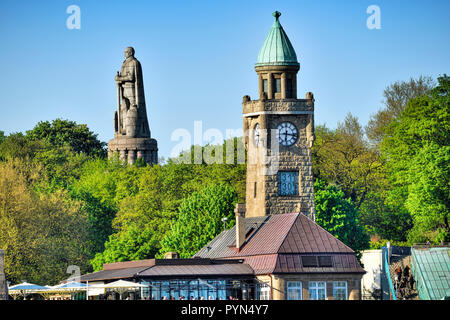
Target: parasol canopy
{"type": "Point", "coordinates": [26, 286]}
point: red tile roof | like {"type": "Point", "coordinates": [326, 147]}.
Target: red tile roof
{"type": "Point", "coordinates": [306, 236]}
{"type": "Point", "coordinates": [278, 243]}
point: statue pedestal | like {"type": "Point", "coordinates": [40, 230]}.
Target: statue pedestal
{"type": "Point", "coordinates": [129, 149]}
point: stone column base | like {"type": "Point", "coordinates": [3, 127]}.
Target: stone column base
{"type": "Point", "coordinates": [130, 149]}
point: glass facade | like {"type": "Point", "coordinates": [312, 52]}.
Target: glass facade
{"type": "Point", "coordinates": [198, 289]}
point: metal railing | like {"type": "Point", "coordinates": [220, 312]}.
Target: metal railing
{"type": "Point", "coordinates": [388, 273]}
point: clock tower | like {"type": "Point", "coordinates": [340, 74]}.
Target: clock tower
{"type": "Point", "coordinates": [278, 134]}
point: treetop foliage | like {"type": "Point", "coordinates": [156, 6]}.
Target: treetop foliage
{"type": "Point", "coordinates": [63, 203]}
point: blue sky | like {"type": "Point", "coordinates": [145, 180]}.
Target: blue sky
{"type": "Point", "coordinates": [198, 58]}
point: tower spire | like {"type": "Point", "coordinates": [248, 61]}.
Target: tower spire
{"type": "Point", "coordinates": [276, 14]}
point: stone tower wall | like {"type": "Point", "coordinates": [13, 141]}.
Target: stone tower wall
{"type": "Point", "coordinates": [3, 288]}
{"type": "Point", "coordinates": [262, 196]}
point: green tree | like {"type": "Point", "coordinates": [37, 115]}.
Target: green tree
{"type": "Point", "coordinates": [42, 233]}
{"type": "Point", "coordinates": [384, 215]}
{"type": "Point", "coordinates": [136, 243]}
{"type": "Point", "coordinates": [344, 157]}
{"type": "Point", "coordinates": [62, 165]}
{"type": "Point", "coordinates": [101, 187]}
{"type": "Point", "coordinates": [428, 194]}
{"type": "Point", "coordinates": [396, 97]}
{"type": "Point", "coordinates": [199, 220]}
{"type": "Point", "coordinates": [416, 148]}
{"type": "Point", "coordinates": [59, 133]}
{"type": "Point", "coordinates": [338, 215]}
{"type": "Point", "coordinates": [16, 145]}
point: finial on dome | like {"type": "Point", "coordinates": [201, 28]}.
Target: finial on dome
{"type": "Point", "coordinates": [276, 14]}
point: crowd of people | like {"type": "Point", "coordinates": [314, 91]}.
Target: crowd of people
{"type": "Point", "coordinates": [403, 282]}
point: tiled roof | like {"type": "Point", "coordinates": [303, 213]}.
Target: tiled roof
{"type": "Point", "coordinates": [262, 264]}
{"type": "Point", "coordinates": [281, 233]}
{"type": "Point", "coordinates": [235, 269]}
{"type": "Point", "coordinates": [306, 236]}
{"type": "Point", "coordinates": [169, 267]}
{"type": "Point", "coordinates": [123, 273]}
{"type": "Point", "coordinates": [129, 264]}
{"type": "Point", "coordinates": [278, 242]}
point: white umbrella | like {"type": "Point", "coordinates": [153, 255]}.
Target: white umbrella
{"type": "Point", "coordinates": [25, 288]}
{"type": "Point", "coordinates": [71, 286]}
{"type": "Point", "coordinates": [122, 286]}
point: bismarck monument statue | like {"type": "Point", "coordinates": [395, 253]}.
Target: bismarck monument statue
{"type": "Point", "coordinates": [132, 138]}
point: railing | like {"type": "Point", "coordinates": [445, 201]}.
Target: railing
{"type": "Point", "coordinates": [388, 273]}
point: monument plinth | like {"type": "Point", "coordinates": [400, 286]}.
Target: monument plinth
{"type": "Point", "coordinates": [132, 139]}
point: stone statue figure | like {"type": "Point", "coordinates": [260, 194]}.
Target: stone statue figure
{"type": "Point", "coordinates": [132, 139]}
{"type": "Point", "coordinates": [131, 117]}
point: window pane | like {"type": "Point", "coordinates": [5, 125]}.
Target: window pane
{"type": "Point", "coordinates": [321, 294]}
{"type": "Point", "coordinates": [265, 85]}
{"type": "Point", "coordinates": [287, 183]}
{"type": "Point", "coordinates": [312, 294]}
{"type": "Point", "coordinates": [294, 284]}
{"type": "Point", "coordinates": [277, 85]}
{"type": "Point", "coordinates": [340, 290]}
{"type": "Point", "coordinates": [309, 261]}
{"type": "Point", "coordinates": [264, 292]}
{"type": "Point", "coordinates": [294, 290]}
{"type": "Point", "coordinates": [193, 290]}
{"type": "Point", "coordinates": [317, 290]}
{"type": "Point", "coordinates": [325, 261]}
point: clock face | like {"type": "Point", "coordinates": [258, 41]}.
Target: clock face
{"type": "Point", "coordinates": [257, 134]}
{"type": "Point", "coordinates": [287, 134]}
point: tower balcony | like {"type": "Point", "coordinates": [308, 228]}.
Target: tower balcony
{"type": "Point", "coordinates": [278, 106]}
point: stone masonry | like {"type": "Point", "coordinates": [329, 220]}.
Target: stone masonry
{"type": "Point", "coordinates": [3, 288]}
{"type": "Point", "coordinates": [262, 196]}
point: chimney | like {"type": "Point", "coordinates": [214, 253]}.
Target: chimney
{"type": "Point", "coordinates": [240, 225]}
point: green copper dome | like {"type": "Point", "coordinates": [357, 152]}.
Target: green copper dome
{"type": "Point", "coordinates": [277, 50]}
